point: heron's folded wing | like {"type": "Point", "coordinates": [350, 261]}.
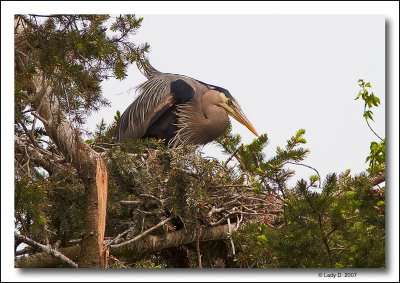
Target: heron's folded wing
{"type": "Point", "coordinates": [156, 96]}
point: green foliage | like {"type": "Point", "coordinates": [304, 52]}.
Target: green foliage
{"type": "Point", "coordinates": [376, 158]}
{"type": "Point", "coordinates": [30, 205]}
{"type": "Point", "coordinates": [146, 263]}
{"type": "Point", "coordinates": [252, 244]}
{"type": "Point", "coordinates": [77, 52]}
{"type": "Point", "coordinates": [65, 213]}
{"type": "Point", "coordinates": [343, 226]}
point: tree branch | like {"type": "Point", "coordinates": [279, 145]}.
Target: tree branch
{"type": "Point", "coordinates": [46, 249]}
{"type": "Point", "coordinates": [378, 179]}
{"type": "Point", "coordinates": [147, 245]}
{"type": "Point", "coordinates": [138, 237]}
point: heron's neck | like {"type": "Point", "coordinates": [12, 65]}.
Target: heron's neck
{"type": "Point", "coordinates": [214, 123]}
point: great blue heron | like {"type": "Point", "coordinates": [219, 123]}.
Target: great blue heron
{"type": "Point", "coordinates": [178, 109]}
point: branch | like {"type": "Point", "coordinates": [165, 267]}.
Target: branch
{"type": "Point", "coordinates": [181, 237]}
{"type": "Point", "coordinates": [369, 126]}
{"type": "Point", "coordinates": [46, 249]}
{"type": "Point", "coordinates": [308, 166]}
{"type": "Point", "coordinates": [198, 249]}
{"type": "Point", "coordinates": [28, 133]}
{"type": "Point", "coordinates": [148, 245]}
{"type": "Point", "coordinates": [39, 158]}
{"type": "Point", "coordinates": [45, 16]}
{"type": "Point", "coordinates": [378, 179]}
{"type": "Point", "coordinates": [234, 154]}
{"type": "Point", "coordinates": [24, 251]}
{"type": "Point", "coordinates": [138, 237]}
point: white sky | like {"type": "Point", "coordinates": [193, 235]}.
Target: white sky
{"type": "Point", "coordinates": [287, 72]}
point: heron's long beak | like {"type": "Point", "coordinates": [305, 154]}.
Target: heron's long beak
{"type": "Point", "coordinates": [240, 117]}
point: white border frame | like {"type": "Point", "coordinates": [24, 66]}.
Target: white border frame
{"type": "Point", "coordinates": [387, 8]}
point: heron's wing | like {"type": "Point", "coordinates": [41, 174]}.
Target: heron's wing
{"type": "Point", "coordinates": [155, 97]}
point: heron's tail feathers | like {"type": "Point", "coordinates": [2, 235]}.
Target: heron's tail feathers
{"type": "Point", "coordinates": [146, 68]}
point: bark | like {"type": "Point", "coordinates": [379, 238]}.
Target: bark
{"type": "Point", "coordinates": [45, 260]}
{"type": "Point", "coordinates": [148, 245]}
{"type": "Point", "coordinates": [90, 167]}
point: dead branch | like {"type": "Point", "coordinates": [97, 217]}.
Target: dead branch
{"type": "Point", "coordinates": [198, 249]}
{"type": "Point", "coordinates": [234, 154]}
{"type": "Point", "coordinates": [46, 249]}
{"type": "Point", "coordinates": [378, 179]}
{"type": "Point", "coordinates": [138, 237]}
{"type": "Point", "coordinates": [149, 244]}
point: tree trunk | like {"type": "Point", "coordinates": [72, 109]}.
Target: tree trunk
{"type": "Point", "coordinates": [90, 167]}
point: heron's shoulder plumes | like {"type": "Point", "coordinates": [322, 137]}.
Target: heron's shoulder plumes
{"type": "Point", "coordinates": [157, 93]}
{"type": "Point", "coordinates": [189, 114]}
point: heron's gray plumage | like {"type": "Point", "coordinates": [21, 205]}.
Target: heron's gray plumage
{"type": "Point", "coordinates": [153, 94]}
{"type": "Point", "coordinates": [171, 106]}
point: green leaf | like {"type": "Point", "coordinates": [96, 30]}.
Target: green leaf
{"type": "Point", "coordinates": [375, 100]}
{"type": "Point", "coordinates": [350, 194]}
{"type": "Point", "coordinates": [314, 178]}
{"type": "Point", "coordinates": [358, 96]}
{"type": "Point", "coordinates": [300, 132]}
{"type": "Point", "coordinates": [368, 115]}
{"type": "Point", "coordinates": [262, 238]}
{"type": "Point", "coordinates": [302, 140]}
{"type": "Point", "coordinates": [367, 84]}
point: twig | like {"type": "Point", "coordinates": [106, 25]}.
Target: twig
{"type": "Point", "coordinates": [239, 220]}
{"type": "Point", "coordinates": [118, 237]}
{"type": "Point", "coordinates": [28, 133]}
{"type": "Point", "coordinates": [231, 186]}
{"type": "Point", "coordinates": [45, 16]}
{"type": "Point", "coordinates": [229, 236]}
{"type": "Point", "coordinates": [131, 202]}
{"type": "Point", "coordinates": [44, 121]}
{"type": "Point", "coordinates": [46, 249]}
{"type": "Point", "coordinates": [233, 155]}
{"type": "Point", "coordinates": [366, 120]}
{"type": "Point", "coordinates": [26, 250]}
{"type": "Point", "coordinates": [214, 210]}
{"type": "Point", "coordinates": [197, 176]}
{"type": "Point", "coordinates": [147, 212]}
{"type": "Point", "coordinates": [308, 166]}
{"type": "Point", "coordinates": [118, 261]}
{"type": "Point", "coordinates": [224, 218]}
{"type": "Point", "coordinates": [198, 248]}
{"type": "Point", "coordinates": [151, 196]}
{"type": "Point", "coordinates": [138, 237]}
{"type": "Point", "coordinates": [376, 180]}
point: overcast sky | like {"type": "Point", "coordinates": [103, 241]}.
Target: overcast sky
{"type": "Point", "coordinates": [287, 72]}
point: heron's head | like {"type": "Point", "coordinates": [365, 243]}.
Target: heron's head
{"type": "Point", "coordinates": [233, 109]}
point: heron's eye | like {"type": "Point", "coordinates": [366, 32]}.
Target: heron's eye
{"type": "Point", "coordinates": [231, 103]}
